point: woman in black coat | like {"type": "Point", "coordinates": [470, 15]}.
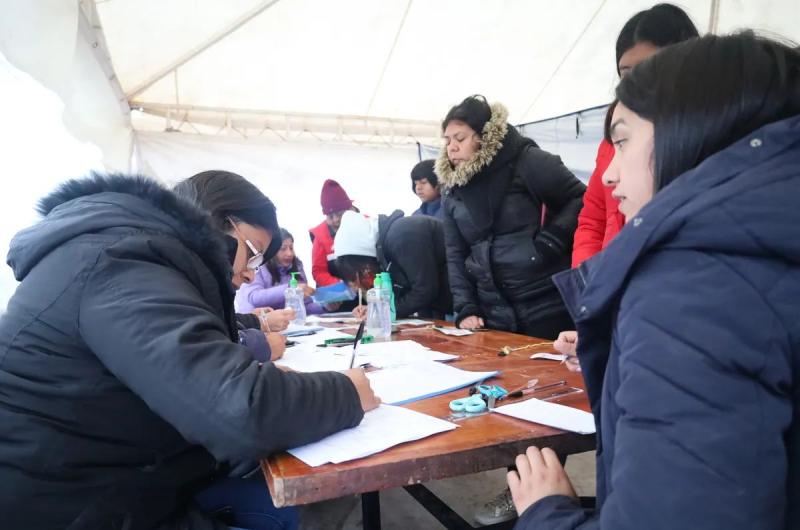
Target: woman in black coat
{"type": "Point", "coordinates": [124, 390]}
{"type": "Point", "coordinates": [510, 211]}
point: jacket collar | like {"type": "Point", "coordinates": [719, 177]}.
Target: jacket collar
{"type": "Point", "coordinates": [494, 131]}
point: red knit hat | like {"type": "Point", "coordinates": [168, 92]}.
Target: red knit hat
{"type": "Point", "coordinates": [334, 198]}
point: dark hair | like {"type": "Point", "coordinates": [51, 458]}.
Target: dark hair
{"type": "Point", "coordinates": [350, 266]}
{"type": "Point", "coordinates": [607, 121]}
{"type": "Point", "coordinates": [224, 194]}
{"type": "Point", "coordinates": [661, 25]}
{"type": "Point", "coordinates": [272, 264]}
{"type": "Point", "coordinates": [474, 111]}
{"type": "Point", "coordinates": [424, 170]}
{"type": "Point", "coordinates": [721, 89]}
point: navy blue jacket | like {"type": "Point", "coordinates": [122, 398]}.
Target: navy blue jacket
{"type": "Point", "coordinates": [689, 326]}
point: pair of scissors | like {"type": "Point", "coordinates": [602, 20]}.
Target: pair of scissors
{"type": "Point", "coordinates": [474, 403]}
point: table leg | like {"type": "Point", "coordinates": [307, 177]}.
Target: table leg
{"type": "Point", "coordinates": [371, 510]}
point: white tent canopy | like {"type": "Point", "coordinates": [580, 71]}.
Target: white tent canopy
{"type": "Point", "coordinates": [392, 67]}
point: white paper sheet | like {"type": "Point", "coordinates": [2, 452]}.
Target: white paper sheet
{"type": "Point", "coordinates": [455, 332]}
{"type": "Point", "coordinates": [314, 319]}
{"type": "Point", "coordinates": [294, 329]}
{"type": "Point", "coordinates": [380, 429]}
{"type": "Point", "coordinates": [549, 356]}
{"type": "Point", "coordinates": [551, 414]}
{"type": "Point", "coordinates": [404, 384]}
{"type": "Point", "coordinates": [411, 322]}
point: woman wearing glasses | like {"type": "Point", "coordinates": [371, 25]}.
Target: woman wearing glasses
{"type": "Point", "coordinates": [127, 399]}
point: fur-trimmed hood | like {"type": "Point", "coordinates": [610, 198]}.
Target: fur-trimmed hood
{"type": "Point", "coordinates": [105, 201]}
{"type": "Point", "coordinates": [494, 132]}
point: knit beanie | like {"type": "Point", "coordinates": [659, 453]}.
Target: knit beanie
{"type": "Point", "coordinates": [357, 236]}
{"type": "Point", "coordinates": [334, 198]}
{"type": "Point", "coordinates": [424, 170]}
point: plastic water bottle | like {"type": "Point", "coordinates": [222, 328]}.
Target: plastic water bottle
{"type": "Point", "coordinates": [379, 318]}
{"type": "Point", "coordinates": [295, 299]}
{"type": "Point", "coordinates": [386, 283]}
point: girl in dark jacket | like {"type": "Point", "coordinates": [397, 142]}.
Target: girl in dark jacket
{"type": "Point", "coordinates": [510, 210]}
{"type": "Point", "coordinates": [125, 392]}
{"type": "Point", "coordinates": [690, 341]}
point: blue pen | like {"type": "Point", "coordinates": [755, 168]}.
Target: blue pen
{"type": "Point", "coordinates": [355, 342]}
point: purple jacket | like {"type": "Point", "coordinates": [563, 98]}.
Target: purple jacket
{"type": "Point", "coordinates": [262, 292]}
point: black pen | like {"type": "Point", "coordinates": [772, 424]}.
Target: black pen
{"type": "Point", "coordinates": [359, 334]}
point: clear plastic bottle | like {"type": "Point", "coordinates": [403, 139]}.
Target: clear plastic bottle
{"type": "Point", "coordinates": [379, 317]}
{"type": "Point", "coordinates": [386, 283]}
{"type": "Point", "coordinates": [295, 299]}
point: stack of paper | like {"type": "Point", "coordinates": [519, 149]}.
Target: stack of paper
{"type": "Point", "coordinates": [404, 384]}
{"type": "Point", "coordinates": [551, 414]}
{"type": "Point", "coordinates": [307, 357]}
{"type": "Point", "coordinates": [386, 354]}
{"type": "Point", "coordinates": [380, 429]}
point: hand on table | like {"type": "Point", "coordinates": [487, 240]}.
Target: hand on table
{"type": "Point", "coordinates": [539, 474]}
{"type": "Point", "coordinates": [567, 344]}
{"type": "Point", "coordinates": [274, 320]}
{"type": "Point", "coordinates": [471, 323]}
{"type": "Point", "coordinates": [277, 345]}
{"type": "Point", "coordinates": [367, 396]}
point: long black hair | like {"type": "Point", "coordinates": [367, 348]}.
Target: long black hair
{"type": "Point", "coordinates": [661, 25]}
{"type": "Point", "coordinates": [705, 94]}
{"type": "Point", "coordinates": [227, 195]}
{"type": "Point", "coordinates": [272, 264]}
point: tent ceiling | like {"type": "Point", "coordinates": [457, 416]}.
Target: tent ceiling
{"type": "Point", "coordinates": [303, 63]}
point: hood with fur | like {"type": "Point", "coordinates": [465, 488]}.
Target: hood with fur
{"type": "Point", "coordinates": [492, 137]}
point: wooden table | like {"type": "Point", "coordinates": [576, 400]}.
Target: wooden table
{"type": "Point", "coordinates": [481, 443]}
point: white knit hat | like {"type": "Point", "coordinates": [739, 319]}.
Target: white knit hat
{"type": "Point", "coordinates": [357, 236]}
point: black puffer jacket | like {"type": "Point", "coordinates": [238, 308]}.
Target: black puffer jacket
{"type": "Point", "coordinates": [412, 250]}
{"type": "Point", "coordinates": [500, 257]}
{"type": "Point", "coordinates": [122, 387]}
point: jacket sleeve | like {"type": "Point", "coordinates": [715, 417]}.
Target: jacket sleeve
{"type": "Point", "coordinates": [560, 192]}
{"type": "Point", "coordinates": [705, 401]}
{"type": "Point", "coordinates": [247, 321]}
{"type": "Point", "coordinates": [256, 343]}
{"type": "Point", "coordinates": [151, 328]}
{"type": "Point", "coordinates": [592, 220]}
{"type": "Point", "coordinates": [465, 296]}
{"type": "Point", "coordinates": [417, 259]}
{"type": "Point", "coordinates": [261, 293]}
{"type": "Point", "coordinates": [319, 264]}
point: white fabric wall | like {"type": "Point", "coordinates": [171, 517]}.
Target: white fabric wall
{"type": "Point", "coordinates": [38, 152]}
{"type": "Point", "coordinates": [290, 174]}
{"type": "Point", "coordinates": [60, 115]}
{"type": "Point", "coordinates": [43, 39]}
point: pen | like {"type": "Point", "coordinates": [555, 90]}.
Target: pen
{"type": "Point", "coordinates": [359, 334]}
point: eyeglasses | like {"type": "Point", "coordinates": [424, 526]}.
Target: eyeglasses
{"type": "Point", "coordinates": [258, 257]}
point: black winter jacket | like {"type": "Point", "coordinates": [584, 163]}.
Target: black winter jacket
{"type": "Point", "coordinates": [412, 250]}
{"type": "Point", "coordinates": [122, 386]}
{"type": "Point", "coordinates": [500, 256]}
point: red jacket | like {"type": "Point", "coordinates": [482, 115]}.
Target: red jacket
{"type": "Point", "coordinates": [600, 219]}
{"type": "Point", "coordinates": [321, 248]}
